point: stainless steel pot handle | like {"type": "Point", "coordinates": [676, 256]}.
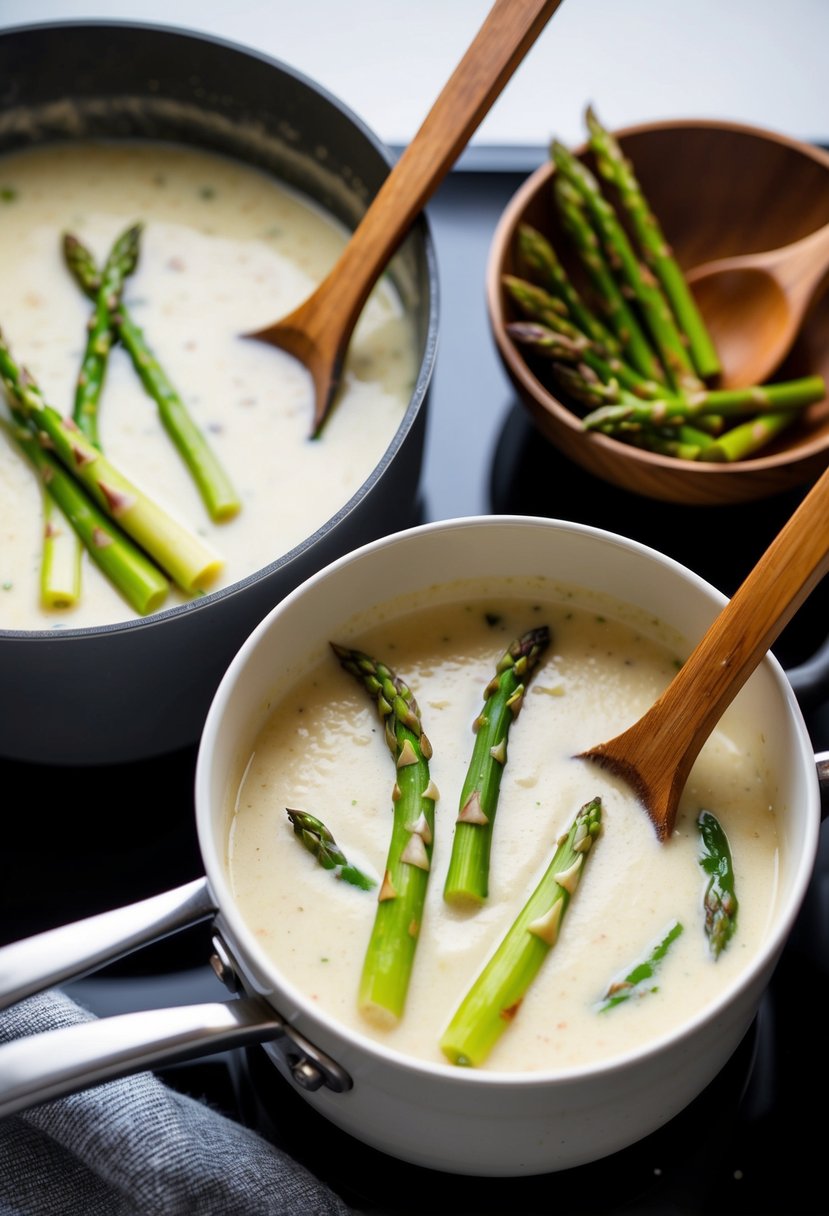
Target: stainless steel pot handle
{"type": "Point", "coordinates": [76, 949]}
{"type": "Point", "coordinates": [808, 679]}
{"type": "Point", "coordinates": [822, 763]}
{"type": "Point", "coordinates": [53, 1063]}
{"type": "Point", "coordinates": [59, 1062]}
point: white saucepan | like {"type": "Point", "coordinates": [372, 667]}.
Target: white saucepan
{"type": "Point", "coordinates": [458, 1120]}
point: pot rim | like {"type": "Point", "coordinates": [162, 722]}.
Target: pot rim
{"type": "Point", "coordinates": [421, 228]}
{"type": "Point", "coordinates": [283, 989]}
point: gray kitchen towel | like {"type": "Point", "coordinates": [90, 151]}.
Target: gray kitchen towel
{"type": "Point", "coordinates": [136, 1147]}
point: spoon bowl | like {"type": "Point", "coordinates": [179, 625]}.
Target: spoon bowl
{"type": "Point", "coordinates": [754, 305]}
{"type": "Point", "coordinates": [317, 333]}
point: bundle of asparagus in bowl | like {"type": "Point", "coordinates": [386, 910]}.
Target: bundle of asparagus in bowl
{"type": "Point", "coordinates": [602, 336]}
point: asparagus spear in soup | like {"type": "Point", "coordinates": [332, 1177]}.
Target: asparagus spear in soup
{"type": "Point", "coordinates": [637, 981]}
{"type": "Point", "coordinates": [318, 840]}
{"type": "Point", "coordinates": [189, 560]}
{"type": "Point", "coordinates": [720, 899]}
{"type": "Point", "coordinates": [60, 575]}
{"type": "Point", "coordinates": [467, 880]}
{"type": "Point", "coordinates": [391, 949]}
{"type": "Point", "coordinates": [106, 292]}
{"type": "Point", "coordinates": [140, 582]}
{"type": "Point", "coordinates": [495, 997]}
{"type": "Point", "coordinates": [212, 480]}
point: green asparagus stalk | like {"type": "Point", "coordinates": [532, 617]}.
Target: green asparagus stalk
{"type": "Point", "coordinates": [636, 982]}
{"type": "Point", "coordinates": [536, 303]}
{"type": "Point", "coordinates": [467, 879]}
{"type": "Point", "coordinates": [634, 275]}
{"type": "Point", "coordinates": [748, 438]}
{"type": "Point", "coordinates": [317, 839]}
{"type": "Point", "coordinates": [720, 900]}
{"type": "Point", "coordinates": [544, 265]}
{"type": "Point", "coordinates": [788, 396]}
{"type": "Point", "coordinates": [550, 343]}
{"type": "Point", "coordinates": [122, 260]}
{"type": "Point", "coordinates": [585, 387]}
{"type": "Point", "coordinates": [620, 316]}
{"type": "Point", "coordinates": [60, 560]}
{"type": "Point", "coordinates": [496, 994]}
{"type": "Point", "coordinates": [389, 958]}
{"type": "Point", "coordinates": [682, 442]}
{"type": "Point", "coordinates": [60, 573]}
{"type": "Point", "coordinates": [189, 560]}
{"type": "Point", "coordinates": [211, 479]}
{"type": "Point", "coordinates": [141, 583]}
{"type": "Point", "coordinates": [617, 169]}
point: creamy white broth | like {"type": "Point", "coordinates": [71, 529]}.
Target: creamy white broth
{"type": "Point", "coordinates": [225, 250]}
{"type": "Point", "coordinates": [323, 751]}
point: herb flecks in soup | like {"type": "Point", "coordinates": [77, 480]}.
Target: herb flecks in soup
{"type": "Point", "coordinates": [322, 749]}
{"type": "Point", "coordinates": [225, 249]}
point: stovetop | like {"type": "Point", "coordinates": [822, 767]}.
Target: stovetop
{"type": "Point", "coordinates": [81, 841]}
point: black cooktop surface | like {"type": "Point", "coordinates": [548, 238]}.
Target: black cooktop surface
{"type": "Point", "coordinates": [753, 1141]}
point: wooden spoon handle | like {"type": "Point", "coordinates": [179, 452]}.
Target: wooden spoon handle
{"type": "Point", "coordinates": [508, 31]}
{"type": "Point", "coordinates": [680, 721]}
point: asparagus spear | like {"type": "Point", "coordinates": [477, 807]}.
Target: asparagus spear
{"type": "Point", "coordinates": [317, 839]}
{"type": "Point", "coordinates": [788, 396]}
{"type": "Point", "coordinates": [496, 994]}
{"type": "Point", "coordinates": [585, 387]}
{"type": "Point", "coordinates": [389, 958]}
{"type": "Point", "coordinates": [666, 445]}
{"type": "Point", "coordinates": [537, 304]}
{"type": "Point", "coordinates": [467, 879]}
{"type": "Point", "coordinates": [213, 482]}
{"type": "Point", "coordinates": [543, 263]}
{"type": "Point", "coordinates": [720, 900]}
{"type": "Point", "coordinates": [190, 561]}
{"type": "Point", "coordinates": [636, 277]}
{"type": "Point", "coordinates": [620, 315]}
{"type": "Point", "coordinates": [618, 169]}
{"type": "Point", "coordinates": [635, 982]}
{"type": "Point", "coordinates": [748, 438]}
{"type": "Point", "coordinates": [122, 260]}
{"type": "Point", "coordinates": [140, 582]}
{"type": "Point", "coordinates": [60, 573]}
{"type": "Point", "coordinates": [60, 559]}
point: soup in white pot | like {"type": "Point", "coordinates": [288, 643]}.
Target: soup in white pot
{"type": "Point", "coordinates": [225, 249]}
{"type": "Point", "coordinates": [323, 751]}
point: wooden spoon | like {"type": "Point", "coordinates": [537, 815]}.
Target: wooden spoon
{"type": "Point", "coordinates": [755, 304]}
{"type": "Point", "coordinates": [655, 755]}
{"type": "Point", "coordinates": [318, 331]}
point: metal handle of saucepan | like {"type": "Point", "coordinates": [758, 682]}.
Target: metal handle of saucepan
{"type": "Point", "coordinates": [48, 1065]}
{"type": "Point", "coordinates": [822, 763]}
{"type": "Point", "coordinates": [74, 950]}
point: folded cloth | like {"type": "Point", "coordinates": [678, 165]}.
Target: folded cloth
{"type": "Point", "coordinates": [136, 1147]}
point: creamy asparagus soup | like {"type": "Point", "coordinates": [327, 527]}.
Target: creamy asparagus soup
{"type": "Point", "coordinates": [224, 249]}
{"type": "Point", "coordinates": [323, 751]}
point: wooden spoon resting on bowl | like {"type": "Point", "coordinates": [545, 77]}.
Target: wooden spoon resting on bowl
{"type": "Point", "coordinates": [655, 755]}
{"type": "Point", "coordinates": [318, 331]}
{"type": "Point", "coordinates": [754, 305]}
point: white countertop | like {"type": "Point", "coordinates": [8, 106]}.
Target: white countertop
{"type": "Point", "coordinates": [754, 61]}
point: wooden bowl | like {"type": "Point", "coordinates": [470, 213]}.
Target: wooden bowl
{"type": "Point", "coordinates": [718, 188]}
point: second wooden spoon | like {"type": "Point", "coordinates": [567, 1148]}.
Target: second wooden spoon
{"type": "Point", "coordinates": [655, 755]}
{"type": "Point", "coordinates": [318, 331]}
{"type": "Point", "coordinates": [754, 305]}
